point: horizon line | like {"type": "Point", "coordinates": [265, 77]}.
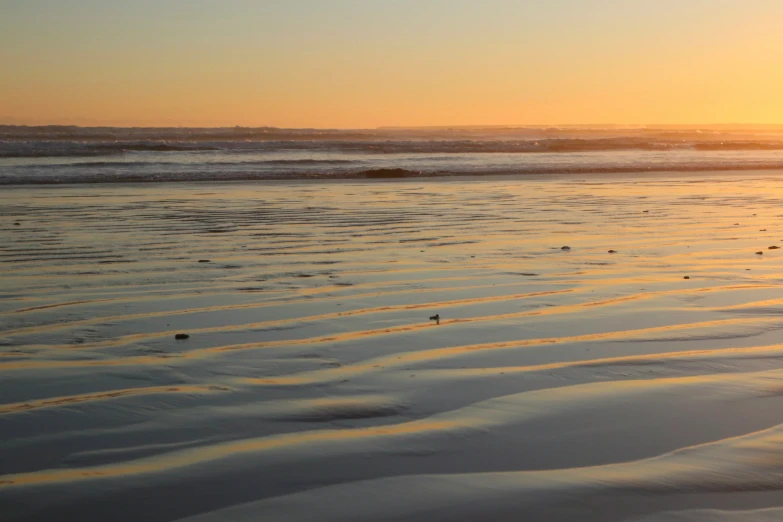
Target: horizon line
{"type": "Point", "coordinates": [404, 127]}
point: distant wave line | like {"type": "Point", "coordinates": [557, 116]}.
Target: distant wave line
{"type": "Point", "coordinates": [348, 174]}
{"type": "Point", "coordinates": [61, 148]}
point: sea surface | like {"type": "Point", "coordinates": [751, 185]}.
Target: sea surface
{"type": "Point", "coordinates": [36, 155]}
{"type": "Point", "coordinates": [609, 346]}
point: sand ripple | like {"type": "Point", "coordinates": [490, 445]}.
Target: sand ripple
{"type": "Point", "coordinates": [559, 384]}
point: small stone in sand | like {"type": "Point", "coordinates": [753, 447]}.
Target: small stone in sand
{"type": "Point", "coordinates": [204, 261]}
{"type": "Point", "coordinates": [773, 247]}
{"type": "Point", "coordinates": [760, 253]}
{"type": "Point", "coordinates": [565, 248]}
{"type": "Point", "coordinates": [613, 251]}
{"type": "Point", "coordinates": [645, 210]}
{"type": "Point", "coordinates": [17, 224]}
{"type": "Point", "coordinates": [181, 336]}
{"type": "Point", "coordinates": [762, 230]}
{"type": "Point", "coordinates": [687, 277]}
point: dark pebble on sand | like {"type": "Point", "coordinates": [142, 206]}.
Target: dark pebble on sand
{"type": "Point", "coordinates": [613, 251]}
{"type": "Point", "coordinates": [687, 277]}
{"type": "Point", "coordinates": [565, 248]}
{"type": "Point", "coordinates": [181, 336]}
{"type": "Point", "coordinates": [17, 224]}
{"type": "Point", "coordinates": [204, 261]}
{"type": "Point", "coordinates": [760, 253]}
{"type": "Point", "coordinates": [773, 247]}
{"type": "Point", "coordinates": [645, 210]}
{"type": "Point", "coordinates": [762, 230]}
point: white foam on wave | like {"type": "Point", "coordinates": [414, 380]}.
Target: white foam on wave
{"type": "Point", "coordinates": [75, 155]}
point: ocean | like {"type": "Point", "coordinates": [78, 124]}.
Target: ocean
{"type": "Point", "coordinates": [49, 155]}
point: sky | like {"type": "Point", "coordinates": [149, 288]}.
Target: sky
{"type": "Point", "coordinates": [370, 63]}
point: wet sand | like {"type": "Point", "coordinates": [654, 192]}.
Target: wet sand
{"type": "Point", "coordinates": [558, 384]}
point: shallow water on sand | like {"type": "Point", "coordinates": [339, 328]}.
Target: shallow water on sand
{"type": "Point", "coordinates": [559, 384]}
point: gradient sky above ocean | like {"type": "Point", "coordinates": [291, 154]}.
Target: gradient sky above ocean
{"type": "Point", "coordinates": [339, 63]}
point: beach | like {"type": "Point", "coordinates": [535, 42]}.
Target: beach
{"type": "Point", "coordinates": [608, 349]}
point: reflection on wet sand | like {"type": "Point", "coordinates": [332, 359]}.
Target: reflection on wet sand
{"type": "Point", "coordinates": [312, 369]}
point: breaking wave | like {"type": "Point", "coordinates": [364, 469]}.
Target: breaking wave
{"type": "Point", "coordinates": [51, 155]}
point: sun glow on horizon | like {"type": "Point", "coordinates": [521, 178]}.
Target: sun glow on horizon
{"type": "Point", "coordinates": [308, 63]}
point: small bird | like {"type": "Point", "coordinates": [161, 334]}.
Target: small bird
{"type": "Point", "coordinates": [435, 318]}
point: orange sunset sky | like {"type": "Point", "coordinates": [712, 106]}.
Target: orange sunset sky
{"type": "Point", "coordinates": [339, 63]}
